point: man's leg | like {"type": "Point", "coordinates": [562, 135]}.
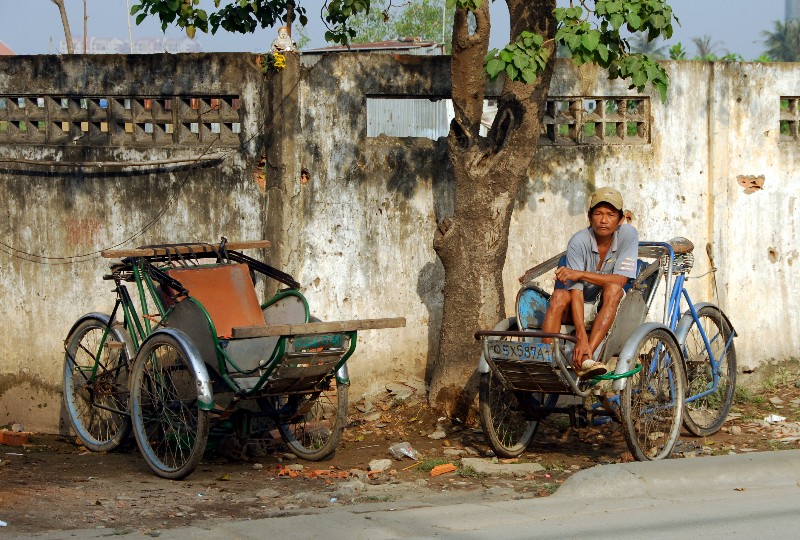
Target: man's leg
{"type": "Point", "coordinates": [557, 312]}
{"type": "Point", "coordinates": [612, 295]}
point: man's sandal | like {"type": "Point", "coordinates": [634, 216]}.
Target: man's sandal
{"type": "Point", "coordinates": [591, 369]}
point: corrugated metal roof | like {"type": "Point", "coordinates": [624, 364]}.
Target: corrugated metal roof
{"type": "Point", "coordinates": [390, 45]}
{"type": "Point", "coordinates": [410, 46]}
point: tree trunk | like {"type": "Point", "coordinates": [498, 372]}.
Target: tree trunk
{"type": "Point", "coordinates": [472, 244]}
{"type": "Point", "coordinates": [65, 22]}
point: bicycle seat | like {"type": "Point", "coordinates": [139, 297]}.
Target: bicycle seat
{"type": "Point", "coordinates": [681, 245]}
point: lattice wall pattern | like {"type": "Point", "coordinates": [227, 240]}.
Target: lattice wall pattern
{"type": "Point", "coordinates": [596, 121]}
{"type": "Point", "coordinates": [121, 120]}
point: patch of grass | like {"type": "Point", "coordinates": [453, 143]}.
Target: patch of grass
{"type": "Point", "coordinates": [780, 377]}
{"type": "Point", "coordinates": [429, 464]}
{"type": "Point", "coordinates": [561, 422]}
{"type": "Point", "coordinates": [743, 395]}
{"type": "Point", "coordinates": [378, 498]}
{"type": "Point", "coordinates": [545, 488]}
{"type": "Point", "coordinates": [776, 445]}
{"type": "Point", "coordinates": [469, 472]}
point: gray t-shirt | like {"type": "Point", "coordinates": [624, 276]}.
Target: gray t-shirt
{"type": "Point", "coordinates": [582, 254]}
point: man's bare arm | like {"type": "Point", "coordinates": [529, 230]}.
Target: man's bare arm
{"type": "Point", "coordinates": [564, 274]}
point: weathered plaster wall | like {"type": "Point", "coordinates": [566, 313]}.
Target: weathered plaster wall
{"type": "Point", "coordinates": [55, 220]}
{"type": "Point", "coordinates": [358, 235]}
{"type": "Point", "coordinates": [719, 122]}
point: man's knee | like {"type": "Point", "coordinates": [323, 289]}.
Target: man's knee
{"type": "Point", "coordinates": [560, 300]}
{"type": "Point", "coordinates": [612, 293]}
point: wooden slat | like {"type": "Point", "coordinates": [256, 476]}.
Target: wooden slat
{"type": "Point", "coordinates": [540, 269]}
{"type": "Point", "coordinates": [182, 249]}
{"type": "Point", "coordinates": [317, 328]}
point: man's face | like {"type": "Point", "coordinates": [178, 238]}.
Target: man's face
{"type": "Point", "coordinates": [604, 219]}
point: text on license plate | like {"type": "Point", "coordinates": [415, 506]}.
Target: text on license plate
{"type": "Point", "coordinates": [519, 350]}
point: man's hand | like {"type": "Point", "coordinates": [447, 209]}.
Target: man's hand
{"type": "Point", "coordinates": [564, 274]}
{"type": "Point", "coordinates": [580, 353]}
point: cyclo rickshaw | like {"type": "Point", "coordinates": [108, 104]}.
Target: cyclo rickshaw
{"type": "Point", "coordinates": [200, 353]}
{"type": "Point", "coordinates": [678, 371]}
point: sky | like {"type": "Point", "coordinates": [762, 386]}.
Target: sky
{"type": "Point", "coordinates": [34, 26]}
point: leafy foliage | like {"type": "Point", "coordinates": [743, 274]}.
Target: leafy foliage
{"type": "Point", "coordinates": [594, 36]}
{"type": "Point", "coordinates": [677, 52]}
{"type": "Point", "coordinates": [706, 47]}
{"type": "Point", "coordinates": [783, 43]}
{"type": "Point", "coordinates": [590, 35]}
{"type": "Point", "coordinates": [242, 16]}
{"type": "Point", "coordinates": [418, 18]}
{"type": "Point", "coordinates": [522, 60]}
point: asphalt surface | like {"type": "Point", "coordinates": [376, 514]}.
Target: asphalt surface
{"type": "Point", "coordinates": [709, 497]}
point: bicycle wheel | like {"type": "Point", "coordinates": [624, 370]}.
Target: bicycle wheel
{"type": "Point", "coordinates": [170, 428]}
{"type": "Point", "coordinates": [507, 428]}
{"type": "Point", "coordinates": [316, 423]}
{"type": "Point", "coordinates": [652, 400]}
{"type": "Point", "coordinates": [96, 371]}
{"type": "Point", "coordinates": [705, 415]}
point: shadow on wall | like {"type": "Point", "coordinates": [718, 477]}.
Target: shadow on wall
{"type": "Point", "coordinates": [429, 288]}
{"type": "Point", "coordinates": [568, 175]}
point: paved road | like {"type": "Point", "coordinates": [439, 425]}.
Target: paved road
{"type": "Point", "coordinates": [745, 495]}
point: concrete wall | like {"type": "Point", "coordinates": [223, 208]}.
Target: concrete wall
{"type": "Point", "coordinates": [358, 235]}
{"type": "Point", "coordinates": [55, 220]}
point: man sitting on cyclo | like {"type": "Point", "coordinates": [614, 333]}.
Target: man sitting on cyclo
{"type": "Point", "coordinates": [600, 260]}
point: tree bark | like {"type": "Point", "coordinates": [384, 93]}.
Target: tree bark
{"type": "Point", "coordinates": [472, 244]}
{"type": "Point", "coordinates": [65, 22]}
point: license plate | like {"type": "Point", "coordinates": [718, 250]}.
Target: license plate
{"type": "Point", "coordinates": [501, 349]}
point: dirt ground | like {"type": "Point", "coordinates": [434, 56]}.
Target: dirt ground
{"type": "Point", "coordinates": [54, 483]}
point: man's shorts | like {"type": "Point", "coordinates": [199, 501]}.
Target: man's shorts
{"type": "Point", "coordinates": [592, 307]}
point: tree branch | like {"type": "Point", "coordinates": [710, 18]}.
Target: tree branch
{"type": "Point", "coordinates": [65, 23]}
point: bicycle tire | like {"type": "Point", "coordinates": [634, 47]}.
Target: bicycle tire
{"type": "Point", "coordinates": [704, 416]}
{"type": "Point", "coordinates": [315, 434]}
{"type": "Point", "coordinates": [97, 405]}
{"type": "Point", "coordinates": [171, 429]}
{"type": "Point", "coordinates": [505, 425]}
{"type": "Point", "coordinates": [653, 398]}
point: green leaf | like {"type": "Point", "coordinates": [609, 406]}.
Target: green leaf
{"type": "Point", "coordinates": [135, 8]}
{"type": "Point", "coordinates": [616, 21]}
{"type": "Point", "coordinates": [201, 14]}
{"type": "Point", "coordinates": [140, 17]}
{"type": "Point", "coordinates": [494, 67]}
{"type": "Point", "coordinates": [602, 51]}
{"type": "Point", "coordinates": [450, 4]}
{"type": "Point", "coordinates": [662, 90]}
{"type": "Point", "coordinates": [574, 41]}
{"type": "Point", "coordinates": [512, 72]}
{"type": "Point", "coordinates": [590, 40]}
{"type": "Point", "coordinates": [639, 79]}
{"type": "Point", "coordinates": [173, 4]}
{"type": "Point", "coordinates": [190, 30]}
{"type": "Point", "coordinates": [634, 21]}
{"type": "Point", "coordinates": [658, 21]}
{"type": "Point", "coordinates": [521, 60]}
{"type": "Point", "coordinates": [529, 75]}
{"type": "Point", "coordinates": [506, 55]}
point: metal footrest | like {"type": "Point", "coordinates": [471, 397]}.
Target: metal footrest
{"type": "Point", "coordinates": [525, 364]}
{"type": "Point", "coordinates": [531, 376]}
